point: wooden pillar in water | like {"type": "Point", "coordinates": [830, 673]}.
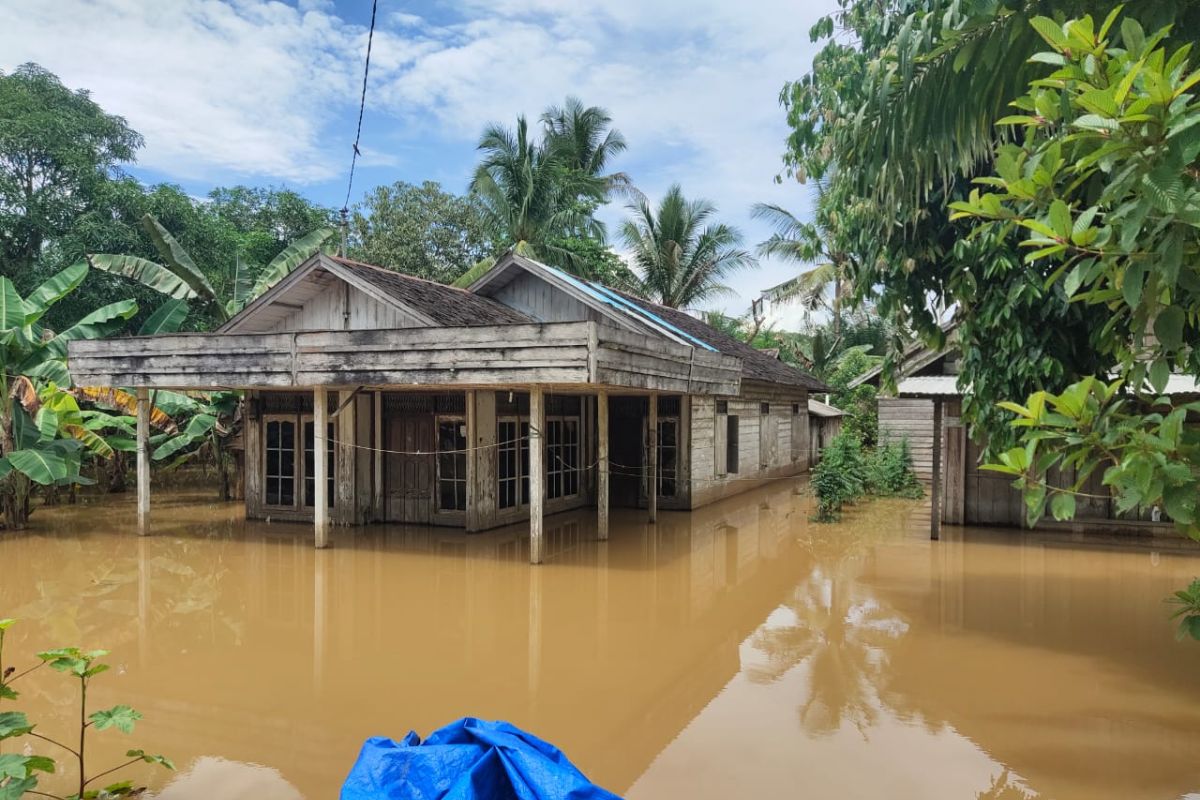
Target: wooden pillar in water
{"type": "Point", "coordinates": [652, 459]}
{"type": "Point", "coordinates": [320, 467]}
{"type": "Point", "coordinates": [935, 490]}
{"type": "Point", "coordinates": [377, 455]}
{"type": "Point", "coordinates": [602, 490]}
{"type": "Point", "coordinates": [537, 472]}
{"type": "Point", "coordinates": [143, 461]}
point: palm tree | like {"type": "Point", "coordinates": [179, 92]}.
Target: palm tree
{"type": "Point", "coordinates": [181, 280]}
{"type": "Point", "coordinates": [584, 139]}
{"type": "Point", "coordinates": [682, 257]}
{"type": "Point", "coordinates": [827, 283]}
{"type": "Point", "coordinates": [538, 192]}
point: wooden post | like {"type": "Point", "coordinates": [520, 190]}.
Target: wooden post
{"type": "Point", "coordinates": [320, 468]}
{"type": "Point", "coordinates": [935, 489]}
{"type": "Point", "coordinates": [143, 461]}
{"type": "Point", "coordinates": [537, 472]}
{"type": "Point", "coordinates": [377, 456]}
{"type": "Point", "coordinates": [652, 458]}
{"type": "Point", "coordinates": [602, 490]}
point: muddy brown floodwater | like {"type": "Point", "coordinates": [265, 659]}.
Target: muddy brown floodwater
{"type": "Point", "coordinates": [739, 651]}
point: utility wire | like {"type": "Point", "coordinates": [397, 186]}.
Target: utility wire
{"type": "Point", "coordinates": [362, 105]}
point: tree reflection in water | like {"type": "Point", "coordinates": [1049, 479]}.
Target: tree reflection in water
{"type": "Point", "coordinates": [837, 629]}
{"type": "Point", "coordinates": [1004, 787]}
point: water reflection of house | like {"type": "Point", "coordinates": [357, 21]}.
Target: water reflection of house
{"type": "Point", "coordinates": [609, 651]}
{"type": "Point", "coordinates": [428, 398]}
{"type": "Point", "coordinates": [926, 409]}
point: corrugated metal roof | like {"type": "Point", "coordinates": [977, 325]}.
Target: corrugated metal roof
{"type": "Point", "coordinates": [819, 409]}
{"type": "Point", "coordinates": [948, 385]}
{"type": "Point", "coordinates": [928, 384]}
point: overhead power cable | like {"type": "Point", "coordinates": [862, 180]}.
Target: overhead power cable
{"type": "Point", "coordinates": [362, 105]}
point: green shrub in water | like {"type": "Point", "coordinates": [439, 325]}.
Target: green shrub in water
{"type": "Point", "coordinates": [840, 476]}
{"type": "Point", "coordinates": [847, 472]}
{"type": "Point", "coordinates": [890, 471]}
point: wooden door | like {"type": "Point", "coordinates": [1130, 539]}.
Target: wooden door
{"type": "Point", "coordinates": [409, 468]}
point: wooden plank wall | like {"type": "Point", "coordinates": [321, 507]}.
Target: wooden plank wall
{"type": "Point", "coordinates": [532, 296]}
{"type": "Point", "coordinates": [345, 307]}
{"type": "Point", "coordinates": [635, 360]}
{"type": "Point", "coordinates": [911, 418]}
{"type": "Point", "coordinates": [708, 480]}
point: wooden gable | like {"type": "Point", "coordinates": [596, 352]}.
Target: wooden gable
{"type": "Point", "coordinates": [320, 295]}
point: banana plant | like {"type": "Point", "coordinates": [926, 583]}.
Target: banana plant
{"type": "Point", "coordinates": [183, 282]}
{"type": "Point", "coordinates": [42, 433]}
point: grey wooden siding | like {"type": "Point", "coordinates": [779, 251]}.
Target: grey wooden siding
{"type": "Point", "coordinates": [911, 418]}
{"type": "Point", "coordinates": [344, 307]}
{"type": "Point", "coordinates": [531, 295]}
{"type": "Point", "coordinates": [765, 449]}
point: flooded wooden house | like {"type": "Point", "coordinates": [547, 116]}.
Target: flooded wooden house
{"type": "Point", "coordinates": [376, 396]}
{"type": "Point", "coordinates": [925, 407]}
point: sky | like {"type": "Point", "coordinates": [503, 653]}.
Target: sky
{"type": "Point", "coordinates": [266, 93]}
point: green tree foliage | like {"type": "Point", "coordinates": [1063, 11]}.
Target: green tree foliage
{"type": "Point", "coordinates": [889, 471]}
{"type": "Point", "coordinates": [58, 150]}
{"type": "Point", "coordinates": [898, 116]}
{"type": "Point", "coordinates": [420, 230]}
{"type": "Point", "coordinates": [536, 191]}
{"type": "Point", "coordinates": [180, 278]}
{"type": "Point", "coordinates": [681, 254]}
{"type": "Point", "coordinates": [859, 403]}
{"type": "Point", "coordinates": [42, 435]}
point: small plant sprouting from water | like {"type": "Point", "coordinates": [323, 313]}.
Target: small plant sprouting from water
{"type": "Point", "coordinates": [19, 773]}
{"type": "Point", "coordinates": [1188, 612]}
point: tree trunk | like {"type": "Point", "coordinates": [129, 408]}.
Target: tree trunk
{"type": "Point", "coordinates": [14, 488]}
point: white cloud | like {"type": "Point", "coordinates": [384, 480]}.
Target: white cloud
{"type": "Point", "coordinates": [261, 90]}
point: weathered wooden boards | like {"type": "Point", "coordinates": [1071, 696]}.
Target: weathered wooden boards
{"type": "Point", "coordinates": [602, 477]}
{"type": "Point", "coordinates": [320, 468]}
{"type": "Point", "coordinates": [554, 353]}
{"type": "Point", "coordinates": [143, 461]}
{"type": "Point", "coordinates": [911, 419]}
{"type": "Point", "coordinates": [537, 472]}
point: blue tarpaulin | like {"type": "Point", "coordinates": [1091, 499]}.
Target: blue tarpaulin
{"type": "Point", "coordinates": [471, 759]}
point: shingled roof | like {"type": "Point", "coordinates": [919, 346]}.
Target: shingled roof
{"type": "Point", "coordinates": [757, 365]}
{"type": "Point", "coordinates": [445, 305]}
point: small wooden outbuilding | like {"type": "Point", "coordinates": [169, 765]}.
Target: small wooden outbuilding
{"type": "Point", "coordinates": [375, 396]}
{"type": "Point", "coordinates": [824, 423]}
{"type": "Point", "coordinates": [926, 409]}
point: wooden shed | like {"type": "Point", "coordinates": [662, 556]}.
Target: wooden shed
{"type": "Point", "coordinates": [824, 423]}
{"type": "Point", "coordinates": [926, 408]}
{"type": "Point", "coordinates": [375, 396]}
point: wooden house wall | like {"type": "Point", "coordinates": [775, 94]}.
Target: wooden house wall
{"type": "Point", "coordinates": [535, 298]}
{"type": "Point", "coordinates": [344, 307]}
{"type": "Point", "coordinates": [911, 418]}
{"type": "Point", "coordinates": [821, 431]}
{"type": "Point", "coordinates": [765, 441]}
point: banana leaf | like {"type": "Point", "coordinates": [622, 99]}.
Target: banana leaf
{"type": "Point", "coordinates": [12, 307]}
{"type": "Point", "coordinates": [42, 466]}
{"type": "Point", "coordinates": [96, 325]}
{"type": "Point", "coordinates": [54, 289]}
{"type": "Point", "coordinates": [145, 272]}
{"type": "Point", "coordinates": [282, 265]}
{"type": "Point", "coordinates": [177, 260]}
{"type": "Point", "coordinates": [167, 318]}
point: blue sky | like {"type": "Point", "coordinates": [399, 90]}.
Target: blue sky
{"type": "Point", "coordinates": [266, 93]}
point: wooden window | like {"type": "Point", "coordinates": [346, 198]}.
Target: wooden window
{"type": "Point", "coordinates": [668, 457]}
{"type": "Point", "coordinates": [731, 444]}
{"type": "Point", "coordinates": [722, 406]}
{"type": "Point", "coordinates": [452, 464]}
{"type": "Point", "coordinates": [280, 468]}
{"type": "Point", "coordinates": [764, 408]}
{"type": "Point", "coordinates": [513, 467]}
{"type": "Point", "coordinates": [310, 463]}
{"type": "Point", "coordinates": [562, 457]}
